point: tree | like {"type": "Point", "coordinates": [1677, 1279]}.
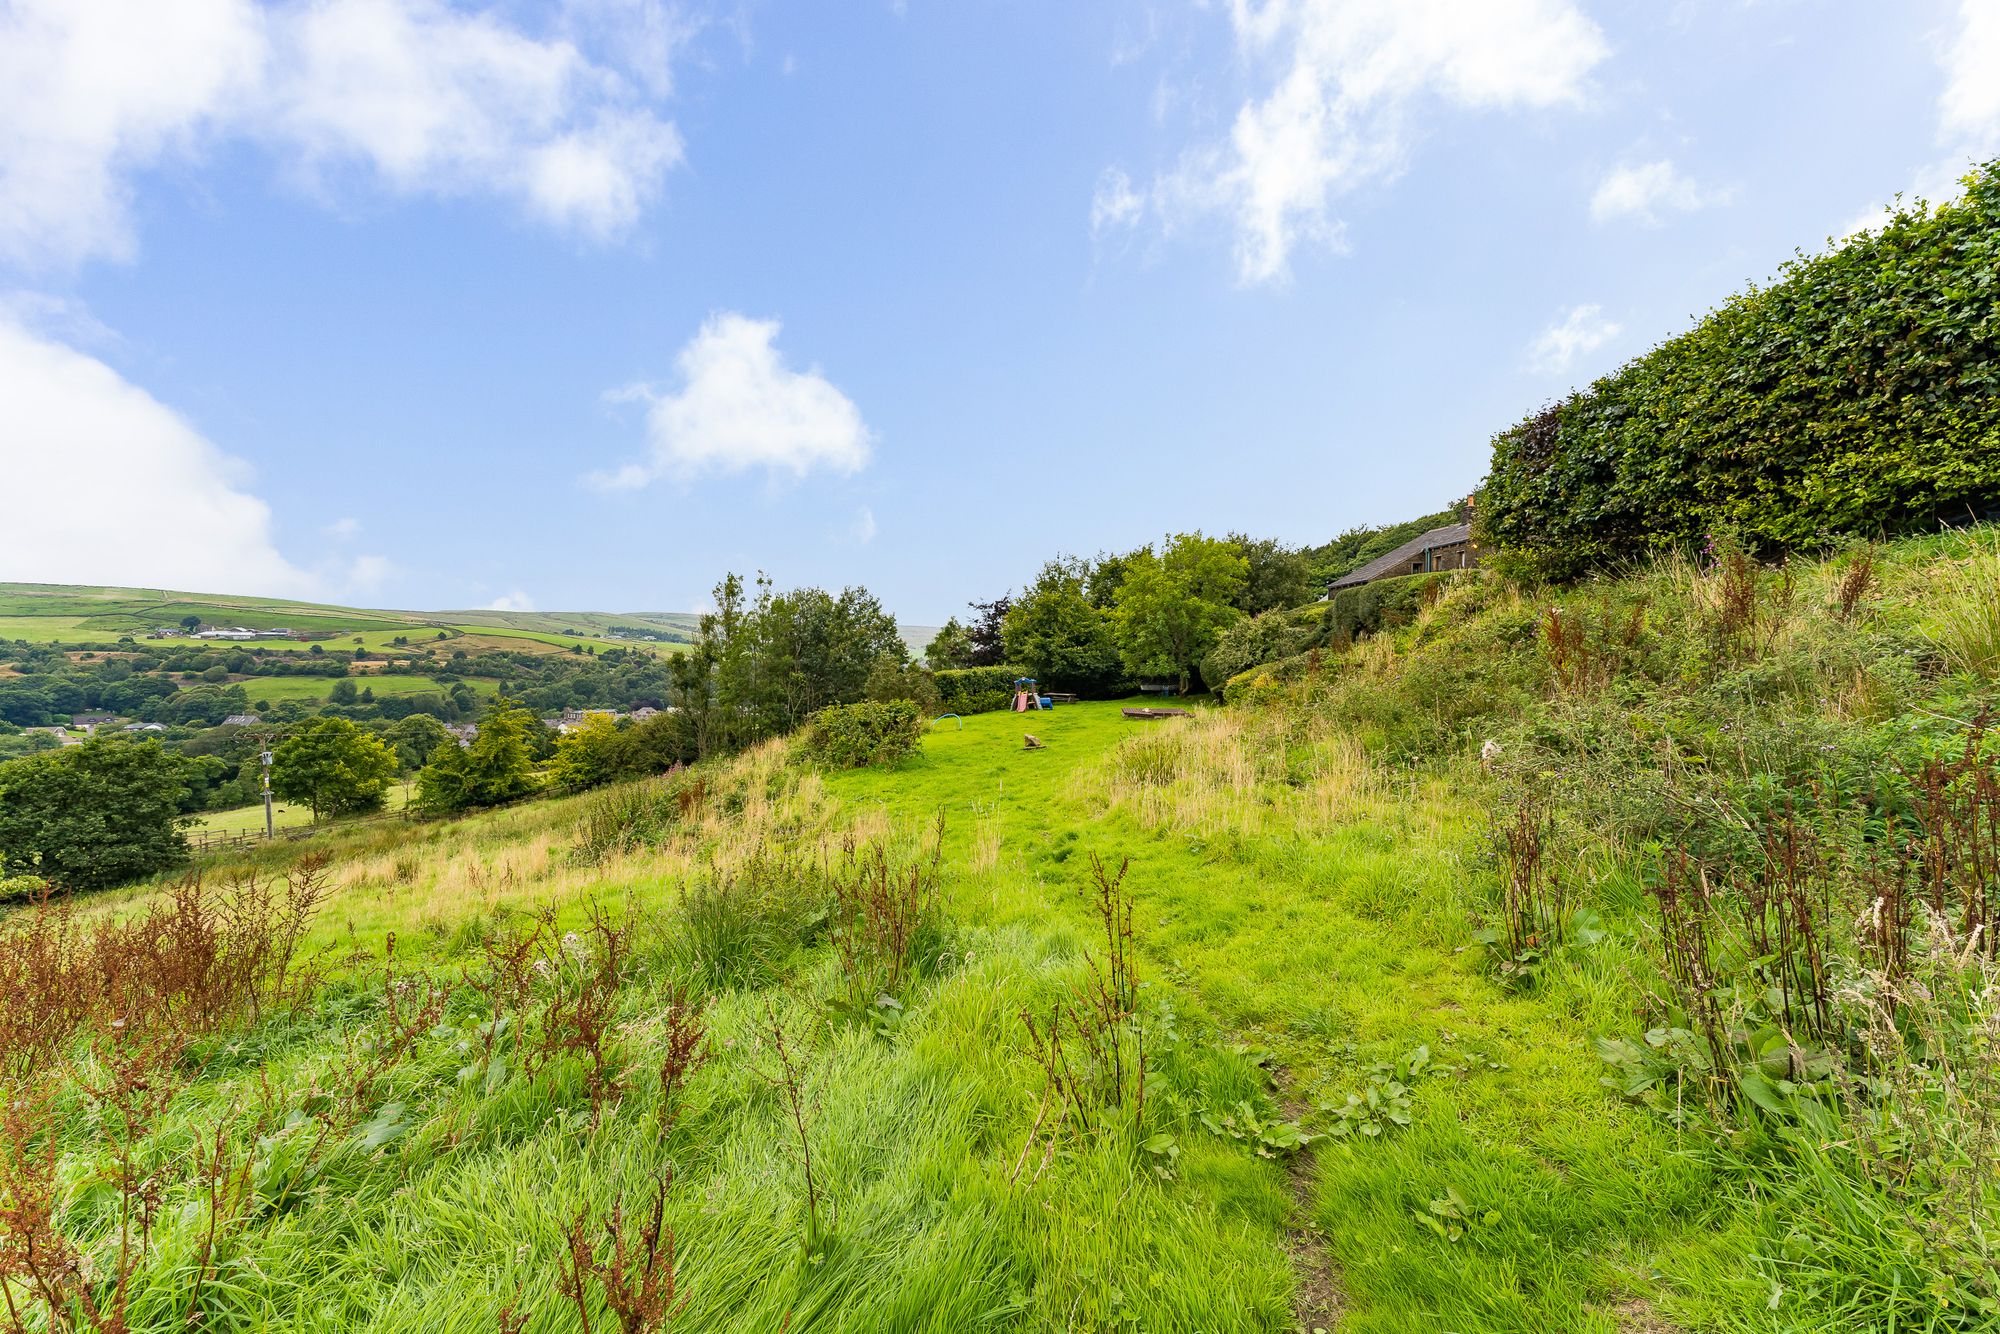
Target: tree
{"type": "Point", "coordinates": [92, 815]}
{"type": "Point", "coordinates": [342, 691]}
{"type": "Point", "coordinates": [766, 668]}
{"type": "Point", "coordinates": [1172, 606]}
{"type": "Point", "coordinates": [987, 633]}
{"type": "Point", "coordinates": [1055, 635]}
{"type": "Point", "coordinates": [496, 767]}
{"type": "Point", "coordinates": [590, 754]}
{"type": "Point", "coordinates": [950, 648]}
{"type": "Point", "coordinates": [334, 767]}
{"type": "Point", "coordinates": [415, 737]}
{"type": "Point", "coordinates": [190, 623]}
{"type": "Point", "coordinates": [893, 680]}
{"type": "Point", "coordinates": [1275, 577]}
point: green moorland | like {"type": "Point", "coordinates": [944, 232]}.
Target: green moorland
{"type": "Point", "coordinates": [80, 614]}
{"type": "Point", "coordinates": [1378, 999]}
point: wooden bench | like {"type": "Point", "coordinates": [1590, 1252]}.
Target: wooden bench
{"type": "Point", "coordinates": [1058, 697]}
{"type": "Point", "coordinates": [1155, 713]}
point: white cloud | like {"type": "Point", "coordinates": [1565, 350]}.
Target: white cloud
{"type": "Point", "coordinates": [365, 574]}
{"type": "Point", "coordinates": [89, 91]}
{"type": "Point", "coordinates": [1969, 108]}
{"type": "Point", "coordinates": [1968, 112]}
{"type": "Point", "coordinates": [1346, 77]}
{"type": "Point", "coordinates": [435, 101]}
{"type": "Point", "coordinates": [864, 526]}
{"type": "Point", "coordinates": [343, 530]}
{"type": "Point", "coordinates": [106, 485]}
{"type": "Point", "coordinates": [514, 601]}
{"type": "Point", "coordinates": [411, 94]}
{"type": "Point", "coordinates": [740, 407]}
{"type": "Point", "coordinates": [1645, 191]}
{"type": "Point", "coordinates": [1116, 203]}
{"type": "Point", "coordinates": [1580, 332]}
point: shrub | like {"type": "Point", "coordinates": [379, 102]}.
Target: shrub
{"type": "Point", "coordinates": [848, 736]}
{"type": "Point", "coordinates": [1383, 604]}
{"type": "Point", "coordinates": [1853, 396]}
{"type": "Point", "coordinates": [976, 689]}
{"type": "Point", "coordinates": [1267, 638]}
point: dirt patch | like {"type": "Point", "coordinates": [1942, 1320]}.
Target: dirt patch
{"type": "Point", "coordinates": [1636, 1316]}
{"type": "Point", "coordinates": [1316, 1298]}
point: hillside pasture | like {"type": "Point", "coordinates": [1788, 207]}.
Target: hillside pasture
{"type": "Point", "coordinates": [318, 687]}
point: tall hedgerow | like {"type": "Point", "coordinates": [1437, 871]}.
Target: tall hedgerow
{"type": "Point", "coordinates": [1858, 394]}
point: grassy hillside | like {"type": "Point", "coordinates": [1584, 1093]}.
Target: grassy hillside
{"type": "Point", "coordinates": [65, 613]}
{"type": "Point", "coordinates": [1313, 1012]}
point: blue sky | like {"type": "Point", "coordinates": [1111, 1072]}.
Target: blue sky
{"type": "Point", "coordinates": [580, 305]}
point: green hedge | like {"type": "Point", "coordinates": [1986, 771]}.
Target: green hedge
{"type": "Point", "coordinates": [1858, 395]}
{"type": "Point", "coordinates": [1382, 605]}
{"type": "Point", "coordinates": [976, 689]}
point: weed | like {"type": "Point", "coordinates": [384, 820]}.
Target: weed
{"type": "Point", "coordinates": [1385, 1104]}
{"type": "Point", "coordinates": [1857, 580]}
{"type": "Point", "coordinates": [789, 1080]}
{"type": "Point", "coordinates": [637, 1279]}
{"type": "Point", "coordinates": [686, 1051]}
{"type": "Point", "coordinates": [883, 916]}
{"type": "Point", "coordinates": [1534, 918]}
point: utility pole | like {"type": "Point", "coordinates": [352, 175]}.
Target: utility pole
{"type": "Point", "coordinates": [265, 756]}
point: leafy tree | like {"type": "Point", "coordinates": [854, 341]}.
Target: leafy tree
{"type": "Point", "coordinates": [1172, 606]}
{"type": "Point", "coordinates": [1055, 635]}
{"type": "Point", "coordinates": [988, 632]}
{"type": "Point", "coordinates": [91, 815]}
{"type": "Point", "coordinates": [765, 668]}
{"type": "Point", "coordinates": [590, 754]}
{"type": "Point", "coordinates": [190, 623]}
{"type": "Point", "coordinates": [334, 767]}
{"type": "Point", "coordinates": [894, 680]}
{"type": "Point", "coordinates": [950, 648]}
{"type": "Point", "coordinates": [1275, 577]}
{"type": "Point", "coordinates": [1106, 574]}
{"type": "Point", "coordinates": [343, 691]}
{"type": "Point", "coordinates": [496, 767]}
{"type": "Point", "coordinates": [415, 738]}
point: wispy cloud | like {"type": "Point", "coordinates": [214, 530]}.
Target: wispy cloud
{"type": "Point", "coordinates": [1580, 332]}
{"type": "Point", "coordinates": [1116, 204]}
{"type": "Point", "coordinates": [1645, 191]}
{"type": "Point", "coordinates": [512, 601]}
{"type": "Point", "coordinates": [740, 407]}
{"type": "Point", "coordinates": [1345, 80]}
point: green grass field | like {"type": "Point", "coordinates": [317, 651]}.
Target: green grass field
{"type": "Point", "coordinates": [284, 815]}
{"type": "Point", "coordinates": [65, 614]}
{"type": "Point", "coordinates": [316, 687]}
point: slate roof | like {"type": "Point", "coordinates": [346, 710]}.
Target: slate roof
{"type": "Point", "coordinates": [1392, 562]}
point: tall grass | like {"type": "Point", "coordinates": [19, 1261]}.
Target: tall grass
{"type": "Point", "coordinates": [1964, 609]}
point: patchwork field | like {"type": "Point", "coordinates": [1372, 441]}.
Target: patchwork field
{"type": "Point", "coordinates": [56, 613]}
